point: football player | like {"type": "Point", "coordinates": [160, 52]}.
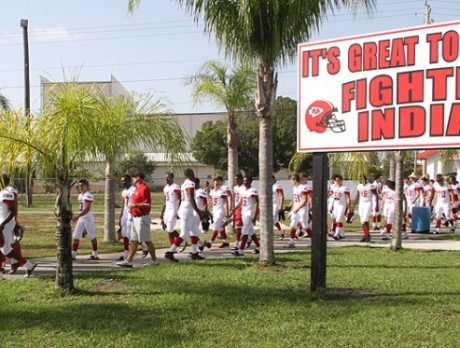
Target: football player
{"type": "Point", "coordinates": [84, 220]}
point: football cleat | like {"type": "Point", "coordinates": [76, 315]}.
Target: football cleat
{"type": "Point", "coordinates": [170, 256]}
{"type": "Point", "coordinates": [196, 256]}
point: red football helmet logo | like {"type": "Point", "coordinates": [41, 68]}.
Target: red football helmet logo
{"type": "Point", "coordinates": [320, 116]}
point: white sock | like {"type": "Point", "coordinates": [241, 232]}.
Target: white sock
{"type": "Point", "coordinates": [125, 254]}
{"type": "Point", "coordinates": [29, 265]}
{"type": "Point", "coordinates": [74, 254]}
{"type": "Point", "coordinates": [94, 253]}
{"type": "Point", "coordinates": [173, 248]}
{"type": "Point", "coordinates": [194, 248]}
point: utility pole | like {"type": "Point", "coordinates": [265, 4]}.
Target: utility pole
{"type": "Point", "coordinates": [427, 13]}
{"type": "Point", "coordinates": [24, 25]}
{"type": "Point", "coordinates": [427, 20]}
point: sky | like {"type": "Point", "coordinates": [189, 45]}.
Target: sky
{"type": "Point", "coordinates": [155, 49]}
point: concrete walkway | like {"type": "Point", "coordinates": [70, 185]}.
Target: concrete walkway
{"type": "Point", "coordinates": [107, 262]}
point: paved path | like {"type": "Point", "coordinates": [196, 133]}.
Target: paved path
{"type": "Point", "coordinates": [107, 262]}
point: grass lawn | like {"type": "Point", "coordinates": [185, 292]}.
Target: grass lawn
{"type": "Point", "coordinates": [376, 299]}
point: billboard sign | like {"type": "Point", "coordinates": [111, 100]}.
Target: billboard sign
{"type": "Point", "coordinates": [390, 90]}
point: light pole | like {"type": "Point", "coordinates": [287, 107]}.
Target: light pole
{"type": "Point", "coordinates": [24, 25]}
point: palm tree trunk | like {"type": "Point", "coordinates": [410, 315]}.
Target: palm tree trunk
{"type": "Point", "coordinates": [232, 150]}
{"type": "Point", "coordinates": [267, 83]}
{"type": "Point", "coordinates": [396, 241]}
{"type": "Point", "coordinates": [109, 204]}
{"type": "Point", "coordinates": [64, 272]}
{"type": "Point", "coordinates": [392, 171]}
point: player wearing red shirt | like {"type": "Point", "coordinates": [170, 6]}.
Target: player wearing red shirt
{"type": "Point", "coordinates": [140, 210]}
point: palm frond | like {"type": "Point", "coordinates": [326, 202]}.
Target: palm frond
{"type": "Point", "coordinates": [264, 31]}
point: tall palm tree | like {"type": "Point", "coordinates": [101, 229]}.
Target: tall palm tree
{"type": "Point", "coordinates": [266, 34]}
{"type": "Point", "coordinates": [232, 90]}
{"type": "Point", "coordinates": [122, 125]}
{"type": "Point", "coordinates": [396, 240]}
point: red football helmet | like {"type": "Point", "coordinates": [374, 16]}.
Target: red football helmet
{"type": "Point", "coordinates": [320, 116]}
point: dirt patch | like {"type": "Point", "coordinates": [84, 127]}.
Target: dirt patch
{"type": "Point", "coordinates": [347, 294]}
{"type": "Point", "coordinates": [111, 286]}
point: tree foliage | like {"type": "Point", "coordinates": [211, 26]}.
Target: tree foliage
{"type": "Point", "coordinates": [209, 146]}
{"type": "Point", "coordinates": [135, 162]}
{"type": "Point", "coordinates": [4, 103]}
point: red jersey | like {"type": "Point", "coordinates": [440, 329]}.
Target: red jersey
{"type": "Point", "coordinates": [141, 195]}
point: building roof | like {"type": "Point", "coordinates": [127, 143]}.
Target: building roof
{"type": "Point", "coordinates": [425, 154]}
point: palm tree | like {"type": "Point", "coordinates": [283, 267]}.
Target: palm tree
{"type": "Point", "coordinates": [396, 240]}
{"type": "Point", "coordinates": [122, 125]}
{"type": "Point", "coordinates": [234, 91]}
{"type": "Point", "coordinates": [62, 136]}
{"type": "Point", "coordinates": [76, 124]}
{"type": "Point", "coordinates": [265, 34]}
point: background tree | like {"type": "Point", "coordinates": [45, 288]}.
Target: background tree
{"type": "Point", "coordinates": [233, 90]}
{"type": "Point", "coordinates": [284, 132]}
{"type": "Point", "coordinates": [448, 160]}
{"type": "Point", "coordinates": [264, 34]}
{"type": "Point", "coordinates": [134, 162]}
{"type": "Point", "coordinates": [362, 163]}
{"type": "Point", "coordinates": [407, 165]}
{"type": "Point", "coordinates": [301, 162]}
{"type": "Point", "coordinates": [209, 147]}
{"type": "Point", "coordinates": [124, 124]}
{"type": "Point", "coordinates": [4, 103]}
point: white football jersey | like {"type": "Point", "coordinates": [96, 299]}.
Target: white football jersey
{"type": "Point", "coordinates": [276, 189]}
{"type": "Point", "coordinates": [442, 193]}
{"type": "Point", "coordinates": [413, 188]}
{"type": "Point", "coordinates": [455, 189]}
{"type": "Point", "coordinates": [378, 187]}
{"type": "Point", "coordinates": [365, 193]}
{"type": "Point", "coordinates": [249, 200]}
{"type": "Point", "coordinates": [427, 190]}
{"type": "Point", "coordinates": [389, 196]}
{"type": "Point", "coordinates": [299, 194]}
{"type": "Point", "coordinates": [127, 195]}
{"type": "Point", "coordinates": [237, 193]}
{"type": "Point", "coordinates": [84, 199]}
{"type": "Point", "coordinates": [172, 196]}
{"type": "Point", "coordinates": [218, 198]}
{"type": "Point", "coordinates": [185, 195]}
{"type": "Point", "coordinates": [201, 199]}
{"type": "Point", "coordinates": [340, 194]}
{"type": "Point", "coordinates": [6, 198]}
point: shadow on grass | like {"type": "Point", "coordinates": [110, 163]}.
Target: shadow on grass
{"type": "Point", "coordinates": [105, 319]}
{"type": "Point", "coordinates": [383, 266]}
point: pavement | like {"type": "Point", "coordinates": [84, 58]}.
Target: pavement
{"type": "Point", "coordinates": [47, 266]}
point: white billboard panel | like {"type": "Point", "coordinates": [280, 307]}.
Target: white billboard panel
{"type": "Point", "coordinates": [382, 91]}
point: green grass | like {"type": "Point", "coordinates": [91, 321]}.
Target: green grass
{"type": "Point", "coordinates": [375, 299]}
